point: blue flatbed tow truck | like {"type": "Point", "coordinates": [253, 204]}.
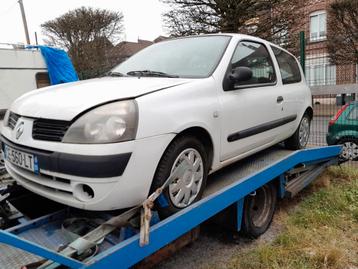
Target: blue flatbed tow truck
{"type": "Point", "coordinates": [97, 240]}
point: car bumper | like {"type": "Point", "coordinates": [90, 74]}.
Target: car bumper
{"type": "Point", "coordinates": [77, 165]}
{"type": "Point", "coordinates": [97, 177]}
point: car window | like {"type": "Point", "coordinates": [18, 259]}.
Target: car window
{"type": "Point", "coordinates": [256, 57]}
{"type": "Point", "coordinates": [289, 69]}
{"type": "Point", "coordinates": [353, 114]}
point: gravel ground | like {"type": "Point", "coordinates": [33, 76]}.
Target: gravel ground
{"type": "Point", "coordinates": [215, 246]}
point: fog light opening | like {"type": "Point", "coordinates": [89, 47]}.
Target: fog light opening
{"type": "Point", "coordinates": [83, 192]}
{"type": "Point", "coordinates": [88, 190]}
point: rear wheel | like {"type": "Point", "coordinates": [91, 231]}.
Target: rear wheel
{"type": "Point", "coordinates": [259, 208]}
{"type": "Point", "coordinates": [350, 149]}
{"type": "Point", "coordinates": [189, 186]}
{"type": "Point", "coordinates": [300, 138]}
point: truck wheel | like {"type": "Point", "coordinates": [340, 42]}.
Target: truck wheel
{"type": "Point", "coordinates": [259, 209]}
{"type": "Point", "coordinates": [300, 138]}
{"type": "Point", "coordinates": [189, 187]}
{"type": "Point", "coordinates": [350, 149]}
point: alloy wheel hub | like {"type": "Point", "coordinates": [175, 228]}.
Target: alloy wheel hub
{"type": "Point", "coordinates": [350, 151]}
{"type": "Point", "coordinates": [304, 132]}
{"type": "Point", "coordinates": [185, 189]}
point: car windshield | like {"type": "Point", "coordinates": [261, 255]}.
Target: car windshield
{"type": "Point", "coordinates": [193, 57]}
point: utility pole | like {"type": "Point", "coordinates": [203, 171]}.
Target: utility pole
{"type": "Point", "coordinates": [36, 41]}
{"type": "Point", "coordinates": [24, 21]}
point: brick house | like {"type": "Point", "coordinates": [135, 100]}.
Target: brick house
{"type": "Point", "coordinates": [319, 70]}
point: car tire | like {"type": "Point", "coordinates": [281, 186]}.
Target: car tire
{"type": "Point", "coordinates": [192, 182]}
{"type": "Point", "coordinates": [350, 149]}
{"type": "Point", "coordinates": [300, 138]}
{"type": "Point", "coordinates": [259, 209]}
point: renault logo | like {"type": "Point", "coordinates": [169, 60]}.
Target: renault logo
{"type": "Point", "coordinates": [20, 129]}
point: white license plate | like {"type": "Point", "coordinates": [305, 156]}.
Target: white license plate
{"type": "Point", "coordinates": [21, 159]}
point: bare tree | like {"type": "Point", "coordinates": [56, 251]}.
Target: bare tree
{"type": "Point", "coordinates": [342, 37]}
{"type": "Point", "coordinates": [87, 34]}
{"type": "Point", "coordinates": [275, 20]}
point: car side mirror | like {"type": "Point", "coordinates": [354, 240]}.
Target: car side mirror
{"type": "Point", "coordinates": [237, 75]}
{"type": "Point", "coordinates": [240, 74]}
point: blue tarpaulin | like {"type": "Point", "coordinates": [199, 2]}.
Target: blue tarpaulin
{"type": "Point", "coordinates": [59, 65]}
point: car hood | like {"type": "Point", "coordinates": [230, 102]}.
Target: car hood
{"type": "Point", "coordinates": [66, 101]}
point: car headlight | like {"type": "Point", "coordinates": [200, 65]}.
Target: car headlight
{"type": "Point", "coordinates": [111, 123]}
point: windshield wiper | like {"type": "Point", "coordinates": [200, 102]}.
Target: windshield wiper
{"type": "Point", "coordinates": [114, 74]}
{"type": "Point", "coordinates": [149, 73]}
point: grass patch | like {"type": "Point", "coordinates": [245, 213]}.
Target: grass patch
{"type": "Point", "coordinates": [321, 233]}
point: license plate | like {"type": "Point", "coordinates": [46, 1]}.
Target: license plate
{"type": "Point", "coordinates": [21, 159]}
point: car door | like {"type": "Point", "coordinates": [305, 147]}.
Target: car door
{"type": "Point", "coordinates": [251, 109]}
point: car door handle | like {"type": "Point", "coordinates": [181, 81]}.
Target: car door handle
{"type": "Point", "coordinates": [279, 99]}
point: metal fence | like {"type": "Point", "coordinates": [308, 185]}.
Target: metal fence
{"type": "Point", "coordinates": [333, 87]}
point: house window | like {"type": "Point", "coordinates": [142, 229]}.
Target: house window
{"type": "Point", "coordinates": [318, 26]}
{"type": "Point", "coordinates": [320, 72]}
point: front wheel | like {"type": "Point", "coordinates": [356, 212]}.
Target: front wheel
{"type": "Point", "coordinates": [299, 139]}
{"type": "Point", "coordinates": [189, 186]}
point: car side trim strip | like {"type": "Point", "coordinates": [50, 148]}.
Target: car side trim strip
{"type": "Point", "coordinates": [261, 128]}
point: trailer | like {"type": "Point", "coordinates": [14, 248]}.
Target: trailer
{"type": "Point", "coordinates": [135, 236]}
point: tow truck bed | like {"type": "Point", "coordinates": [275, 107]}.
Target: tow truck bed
{"type": "Point", "coordinates": [228, 187]}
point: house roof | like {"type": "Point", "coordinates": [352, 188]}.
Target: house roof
{"type": "Point", "coordinates": [126, 48]}
{"type": "Point", "coordinates": [160, 38]}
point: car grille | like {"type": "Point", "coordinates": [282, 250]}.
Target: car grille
{"type": "Point", "coordinates": [13, 118]}
{"type": "Point", "coordinates": [49, 130]}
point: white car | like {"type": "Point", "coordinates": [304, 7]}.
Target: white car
{"type": "Point", "coordinates": [107, 143]}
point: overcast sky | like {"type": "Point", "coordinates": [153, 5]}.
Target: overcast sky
{"type": "Point", "coordinates": [142, 18]}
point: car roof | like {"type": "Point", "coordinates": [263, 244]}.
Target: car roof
{"type": "Point", "coordinates": [237, 35]}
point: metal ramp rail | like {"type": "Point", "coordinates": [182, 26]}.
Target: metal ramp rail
{"type": "Point", "coordinates": [293, 170]}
